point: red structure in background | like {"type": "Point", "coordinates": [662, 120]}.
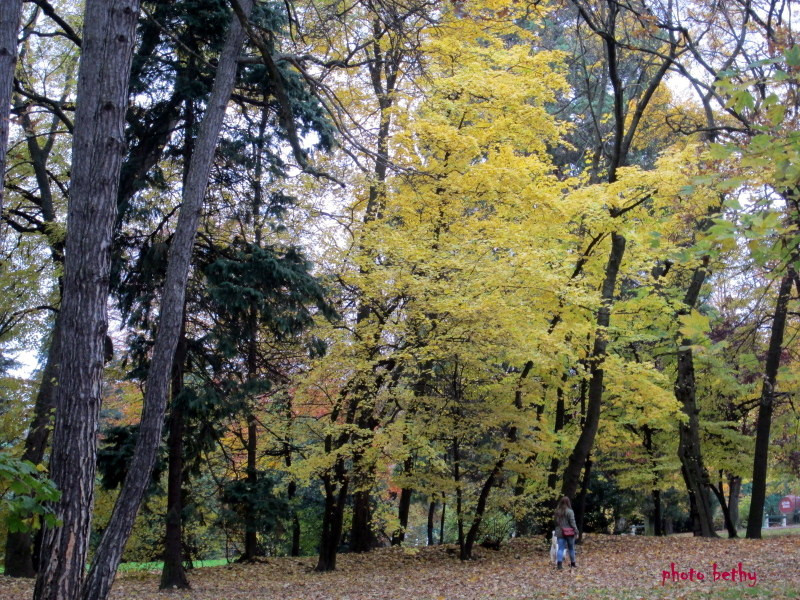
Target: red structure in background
{"type": "Point", "coordinates": [789, 505]}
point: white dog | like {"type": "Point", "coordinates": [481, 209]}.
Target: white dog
{"type": "Point", "coordinates": [554, 548]}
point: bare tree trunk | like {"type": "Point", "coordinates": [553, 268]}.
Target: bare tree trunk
{"type": "Point", "coordinates": [10, 13]}
{"type": "Point", "coordinates": [173, 574]}
{"type": "Point", "coordinates": [726, 513]}
{"type": "Point", "coordinates": [658, 529]}
{"type": "Point", "coordinates": [250, 532]}
{"type": "Point", "coordinates": [480, 508]}
{"type": "Point", "coordinates": [442, 518]}
{"type": "Point", "coordinates": [756, 516]}
{"type": "Point", "coordinates": [734, 488]}
{"type": "Point", "coordinates": [580, 501]}
{"type": "Point", "coordinates": [336, 485]}
{"type": "Point", "coordinates": [97, 153]}
{"type": "Point", "coordinates": [404, 505]}
{"type": "Point", "coordinates": [689, 452]}
{"type": "Point", "coordinates": [583, 446]}
{"type": "Point", "coordinates": [291, 491]}
{"type": "Point", "coordinates": [116, 534]}
{"type": "Point", "coordinates": [362, 537]}
{"type": "Point", "coordinates": [457, 480]}
{"type": "Point", "coordinates": [431, 514]}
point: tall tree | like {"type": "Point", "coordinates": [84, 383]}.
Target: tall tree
{"type": "Point", "coordinates": [766, 403]}
{"type": "Point", "coordinates": [109, 552]}
{"type": "Point", "coordinates": [10, 14]}
{"type": "Point", "coordinates": [98, 150]}
{"type": "Point", "coordinates": [610, 22]}
{"type": "Point", "coordinates": [37, 210]}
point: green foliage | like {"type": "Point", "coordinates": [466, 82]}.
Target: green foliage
{"type": "Point", "coordinates": [276, 284]}
{"type": "Point", "coordinates": [253, 504]}
{"type": "Point", "coordinates": [115, 454]}
{"type": "Point", "coordinates": [25, 494]}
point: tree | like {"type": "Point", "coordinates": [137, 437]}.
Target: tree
{"type": "Point", "coordinates": [101, 575]}
{"type": "Point", "coordinates": [10, 13]}
{"type": "Point", "coordinates": [35, 211]}
{"type": "Point", "coordinates": [102, 99]}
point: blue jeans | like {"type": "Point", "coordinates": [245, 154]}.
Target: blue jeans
{"type": "Point", "coordinates": [564, 543]}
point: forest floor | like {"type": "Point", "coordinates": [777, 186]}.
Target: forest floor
{"type": "Point", "coordinates": [610, 567]}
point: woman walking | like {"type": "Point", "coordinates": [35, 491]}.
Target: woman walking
{"type": "Point", "coordinates": [566, 531]}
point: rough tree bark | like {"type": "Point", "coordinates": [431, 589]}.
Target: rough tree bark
{"type": "Point", "coordinates": [756, 516]}
{"type": "Point", "coordinates": [109, 551]}
{"type": "Point", "coordinates": [97, 154]}
{"type": "Point", "coordinates": [692, 467]}
{"type": "Point", "coordinates": [10, 13]}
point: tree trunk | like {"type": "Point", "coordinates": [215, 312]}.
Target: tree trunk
{"type": "Point", "coordinates": [173, 574]}
{"type": "Point", "coordinates": [580, 501]}
{"type": "Point", "coordinates": [10, 13]}
{"type": "Point", "coordinates": [734, 489]}
{"type": "Point", "coordinates": [480, 508]}
{"type": "Point", "coordinates": [19, 544]}
{"type": "Point", "coordinates": [250, 533]}
{"type": "Point", "coordinates": [765, 405]}
{"type": "Point", "coordinates": [441, 519]}
{"type": "Point", "coordinates": [658, 529]}
{"type": "Point", "coordinates": [583, 446]}
{"type": "Point", "coordinates": [362, 538]}
{"type": "Point", "coordinates": [291, 493]}
{"type": "Point", "coordinates": [457, 480]}
{"type": "Point", "coordinates": [97, 151]}
{"type": "Point", "coordinates": [116, 534]}
{"type": "Point", "coordinates": [552, 477]}
{"type": "Point", "coordinates": [336, 485]}
{"type": "Point", "coordinates": [720, 494]}
{"type": "Point", "coordinates": [431, 515]}
{"type": "Point", "coordinates": [403, 506]}
{"type": "Point", "coordinates": [689, 452]}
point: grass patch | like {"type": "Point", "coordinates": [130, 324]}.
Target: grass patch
{"type": "Point", "coordinates": [158, 565]}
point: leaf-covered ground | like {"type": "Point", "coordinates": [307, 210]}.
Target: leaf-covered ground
{"type": "Point", "coordinates": [618, 567]}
